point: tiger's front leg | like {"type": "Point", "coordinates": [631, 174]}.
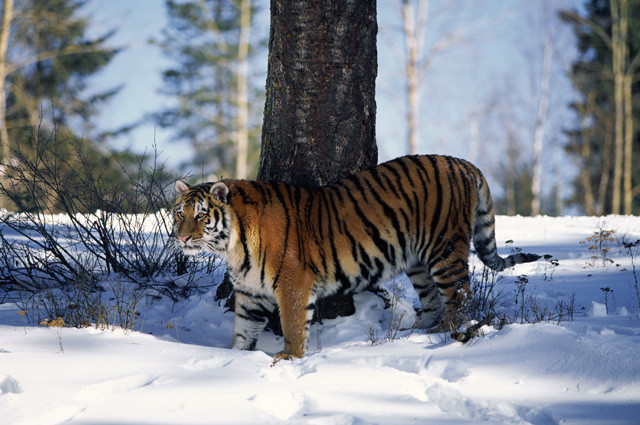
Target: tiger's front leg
{"type": "Point", "coordinates": [252, 312]}
{"type": "Point", "coordinates": [297, 303]}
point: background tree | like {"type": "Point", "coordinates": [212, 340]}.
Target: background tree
{"type": "Point", "coordinates": [45, 59]}
{"type": "Point", "coordinates": [524, 115]}
{"type": "Point", "coordinates": [417, 53]}
{"type": "Point", "coordinates": [541, 118]}
{"type": "Point", "coordinates": [606, 75]}
{"type": "Point", "coordinates": [211, 44]}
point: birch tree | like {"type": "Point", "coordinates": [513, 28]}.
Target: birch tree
{"type": "Point", "coordinates": [242, 94]}
{"type": "Point", "coordinates": [541, 117]}
{"type": "Point", "coordinates": [418, 56]}
{"type": "Point", "coordinates": [617, 42]}
{"type": "Point", "coordinates": [7, 17]}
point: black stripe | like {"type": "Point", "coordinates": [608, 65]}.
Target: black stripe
{"type": "Point", "coordinates": [356, 182]}
{"type": "Point", "coordinates": [379, 272]}
{"type": "Point", "coordinates": [408, 177]}
{"type": "Point", "coordinates": [453, 269]}
{"type": "Point", "coordinates": [378, 177]}
{"type": "Point", "coordinates": [437, 212]}
{"type": "Point", "coordinates": [422, 238]}
{"type": "Point", "coordinates": [364, 271]}
{"type": "Point", "coordinates": [388, 211]}
{"type": "Point", "coordinates": [364, 256]}
{"type": "Point", "coordinates": [277, 190]}
{"type": "Point", "coordinates": [338, 273]}
{"type": "Point", "coordinates": [420, 165]}
{"type": "Point", "coordinates": [263, 261]}
{"type": "Point", "coordinates": [259, 187]}
{"type": "Point", "coordinates": [246, 199]}
{"type": "Point", "coordinates": [447, 285]}
{"type": "Point", "coordinates": [400, 192]}
{"type": "Point", "coordinates": [415, 272]}
{"type": "Point", "coordinates": [246, 264]}
{"type": "Point", "coordinates": [323, 207]}
{"type": "Point", "coordinates": [380, 243]}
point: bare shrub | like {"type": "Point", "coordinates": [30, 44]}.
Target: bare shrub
{"type": "Point", "coordinates": [78, 224]}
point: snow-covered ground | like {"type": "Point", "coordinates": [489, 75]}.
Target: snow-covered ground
{"type": "Point", "coordinates": [176, 368]}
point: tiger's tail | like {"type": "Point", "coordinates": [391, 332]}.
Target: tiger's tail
{"type": "Point", "coordinates": [484, 235]}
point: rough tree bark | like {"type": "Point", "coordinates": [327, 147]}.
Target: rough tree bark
{"type": "Point", "coordinates": [319, 116]}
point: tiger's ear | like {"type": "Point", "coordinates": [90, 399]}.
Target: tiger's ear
{"type": "Point", "coordinates": [220, 191]}
{"type": "Point", "coordinates": [181, 187]}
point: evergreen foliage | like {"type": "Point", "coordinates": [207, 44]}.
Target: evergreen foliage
{"type": "Point", "coordinates": [51, 58]}
{"type": "Point", "coordinates": [591, 138]}
{"type": "Point", "coordinates": [49, 115]}
{"type": "Point", "coordinates": [203, 40]}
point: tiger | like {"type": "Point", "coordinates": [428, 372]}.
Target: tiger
{"type": "Point", "coordinates": [286, 246]}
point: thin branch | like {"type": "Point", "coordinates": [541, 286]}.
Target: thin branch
{"type": "Point", "coordinates": [592, 25]}
{"type": "Point", "coordinates": [212, 26]}
{"type": "Point", "coordinates": [52, 54]}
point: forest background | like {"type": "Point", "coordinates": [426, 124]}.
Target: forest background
{"type": "Point", "coordinates": [542, 95]}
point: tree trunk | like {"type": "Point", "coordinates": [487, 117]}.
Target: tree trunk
{"type": "Point", "coordinates": [242, 96]}
{"type": "Point", "coordinates": [626, 82]}
{"type": "Point", "coordinates": [585, 167]}
{"type": "Point", "coordinates": [543, 103]}
{"type": "Point", "coordinates": [605, 176]}
{"type": "Point", "coordinates": [319, 116]}
{"type": "Point", "coordinates": [511, 172]}
{"type": "Point", "coordinates": [628, 146]}
{"type": "Point", "coordinates": [412, 38]}
{"type": "Point", "coordinates": [618, 41]}
{"type": "Point", "coordinates": [4, 135]}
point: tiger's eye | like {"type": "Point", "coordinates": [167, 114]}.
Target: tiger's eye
{"type": "Point", "coordinates": [200, 216]}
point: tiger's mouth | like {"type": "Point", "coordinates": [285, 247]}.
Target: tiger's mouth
{"type": "Point", "coordinates": [188, 246]}
{"type": "Point", "coordinates": [191, 250]}
{"type": "Point", "coordinates": [199, 246]}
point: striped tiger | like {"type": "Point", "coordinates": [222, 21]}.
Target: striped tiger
{"type": "Point", "coordinates": [285, 246]}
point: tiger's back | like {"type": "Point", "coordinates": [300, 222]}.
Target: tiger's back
{"type": "Point", "coordinates": [286, 245]}
{"type": "Point", "coordinates": [398, 215]}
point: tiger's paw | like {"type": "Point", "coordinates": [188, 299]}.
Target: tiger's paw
{"type": "Point", "coordinates": [284, 356]}
{"type": "Point", "coordinates": [472, 331]}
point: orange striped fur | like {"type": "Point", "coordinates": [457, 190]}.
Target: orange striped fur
{"type": "Point", "coordinates": [286, 246]}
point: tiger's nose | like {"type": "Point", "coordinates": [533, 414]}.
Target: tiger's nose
{"type": "Point", "coordinates": [184, 238]}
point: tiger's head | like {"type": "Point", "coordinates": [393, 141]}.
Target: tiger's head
{"type": "Point", "coordinates": [201, 217]}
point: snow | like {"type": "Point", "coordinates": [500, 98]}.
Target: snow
{"type": "Point", "coordinates": [176, 368]}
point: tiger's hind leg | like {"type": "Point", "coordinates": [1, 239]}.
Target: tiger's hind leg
{"type": "Point", "coordinates": [252, 315]}
{"type": "Point", "coordinates": [433, 306]}
{"type": "Point", "coordinates": [451, 276]}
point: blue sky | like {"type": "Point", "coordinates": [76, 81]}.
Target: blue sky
{"type": "Point", "coordinates": [138, 68]}
{"type": "Point", "coordinates": [501, 60]}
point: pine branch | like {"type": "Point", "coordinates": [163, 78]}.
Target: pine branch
{"type": "Point", "coordinates": [574, 16]}
{"type": "Point", "coordinates": [52, 54]}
